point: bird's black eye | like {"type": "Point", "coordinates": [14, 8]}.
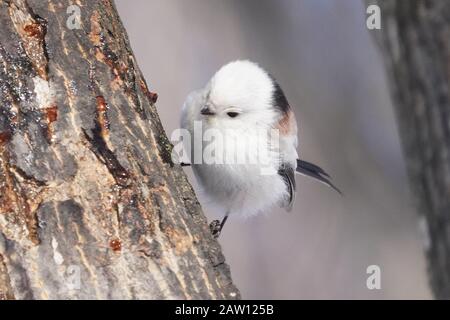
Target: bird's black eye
{"type": "Point", "coordinates": [232, 114]}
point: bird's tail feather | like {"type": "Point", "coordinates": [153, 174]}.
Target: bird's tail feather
{"type": "Point", "coordinates": [311, 170]}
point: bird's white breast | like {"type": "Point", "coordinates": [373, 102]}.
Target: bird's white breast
{"type": "Point", "coordinates": [239, 189]}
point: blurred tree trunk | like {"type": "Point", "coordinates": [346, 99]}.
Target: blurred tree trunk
{"type": "Point", "coordinates": [91, 206]}
{"type": "Point", "coordinates": [415, 36]}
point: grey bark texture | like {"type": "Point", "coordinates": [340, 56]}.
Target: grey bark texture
{"type": "Point", "coordinates": [91, 205]}
{"type": "Point", "coordinates": [415, 38]}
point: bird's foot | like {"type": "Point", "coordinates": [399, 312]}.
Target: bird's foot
{"type": "Point", "coordinates": [215, 228]}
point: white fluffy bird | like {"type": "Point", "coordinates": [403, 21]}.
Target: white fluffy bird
{"type": "Point", "coordinates": [242, 106]}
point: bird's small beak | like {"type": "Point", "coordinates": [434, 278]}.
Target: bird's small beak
{"type": "Point", "coordinates": [207, 111]}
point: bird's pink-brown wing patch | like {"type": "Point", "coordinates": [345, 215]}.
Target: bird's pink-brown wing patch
{"type": "Point", "coordinates": [287, 124]}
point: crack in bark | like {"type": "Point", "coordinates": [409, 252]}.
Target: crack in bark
{"type": "Point", "coordinates": [124, 75]}
{"type": "Point", "coordinates": [6, 292]}
{"type": "Point", "coordinates": [106, 156]}
{"type": "Point", "coordinates": [14, 199]}
{"type": "Point", "coordinates": [32, 29]}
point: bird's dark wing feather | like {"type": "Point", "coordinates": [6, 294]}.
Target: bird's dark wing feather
{"type": "Point", "coordinates": [288, 175]}
{"type": "Point", "coordinates": [315, 172]}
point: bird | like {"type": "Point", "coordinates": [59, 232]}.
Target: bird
{"type": "Point", "coordinates": [242, 112]}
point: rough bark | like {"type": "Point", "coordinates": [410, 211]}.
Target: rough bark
{"type": "Point", "coordinates": [415, 36]}
{"type": "Point", "coordinates": [91, 205]}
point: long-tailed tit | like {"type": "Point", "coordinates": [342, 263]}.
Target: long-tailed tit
{"type": "Point", "coordinates": [244, 142]}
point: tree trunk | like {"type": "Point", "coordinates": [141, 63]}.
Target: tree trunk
{"type": "Point", "coordinates": [91, 205]}
{"type": "Point", "coordinates": [415, 36]}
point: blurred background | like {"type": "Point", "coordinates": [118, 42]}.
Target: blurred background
{"type": "Point", "coordinates": [332, 73]}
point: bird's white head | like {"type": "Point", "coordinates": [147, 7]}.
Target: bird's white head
{"type": "Point", "coordinates": [240, 94]}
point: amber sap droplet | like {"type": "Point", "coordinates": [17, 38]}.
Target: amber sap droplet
{"type": "Point", "coordinates": [152, 96]}
{"type": "Point", "coordinates": [4, 137]}
{"type": "Point", "coordinates": [101, 104]}
{"type": "Point", "coordinates": [52, 114]}
{"type": "Point", "coordinates": [115, 245]}
{"type": "Point", "coordinates": [33, 30]}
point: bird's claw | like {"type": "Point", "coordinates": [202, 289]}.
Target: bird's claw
{"type": "Point", "coordinates": [214, 226]}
